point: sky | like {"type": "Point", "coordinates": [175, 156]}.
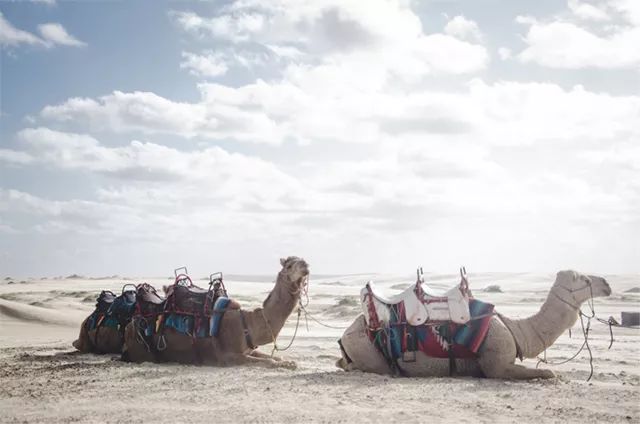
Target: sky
{"type": "Point", "coordinates": [377, 136]}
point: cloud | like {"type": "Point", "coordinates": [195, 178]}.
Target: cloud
{"type": "Point", "coordinates": [463, 28]}
{"type": "Point", "coordinates": [338, 104]}
{"type": "Point", "coordinates": [504, 53]}
{"type": "Point", "coordinates": [53, 34]}
{"type": "Point", "coordinates": [209, 65]}
{"type": "Point", "coordinates": [15, 157]}
{"type": "Point", "coordinates": [11, 36]}
{"type": "Point", "coordinates": [563, 43]}
{"type": "Point", "coordinates": [219, 115]}
{"type": "Point", "coordinates": [390, 34]}
{"type": "Point", "coordinates": [588, 11]}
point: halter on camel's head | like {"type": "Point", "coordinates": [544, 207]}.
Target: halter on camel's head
{"type": "Point", "coordinates": [295, 271]}
{"type": "Point", "coordinates": [574, 288]}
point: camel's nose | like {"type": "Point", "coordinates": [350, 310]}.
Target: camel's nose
{"type": "Point", "coordinates": [606, 288]}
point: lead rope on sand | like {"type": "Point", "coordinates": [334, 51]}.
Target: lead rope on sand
{"type": "Point", "coordinates": [585, 332]}
{"type": "Point", "coordinates": [611, 322]}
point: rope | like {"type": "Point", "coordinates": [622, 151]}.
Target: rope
{"type": "Point", "coordinates": [611, 322]}
{"type": "Point", "coordinates": [308, 315]}
{"type": "Point", "coordinates": [303, 290]}
{"type": "Point", "coordinates": [585, 330]}
{"type": "Point", "coordinates": [273, 337]}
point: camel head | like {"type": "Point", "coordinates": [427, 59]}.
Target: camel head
{"type": "Point", "coordinates": [294, 272]}
{"type": "Point", "coordinates": [578, 288]}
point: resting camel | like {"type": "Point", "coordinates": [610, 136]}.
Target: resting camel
{"type": "Point", "coordinates": [107, 336]}
{"type": "Point", "coordinates": [101, 340]}
{"type": "Point", "coordinates": [506, 338]}
{"type": "Point", "coordinates": [241, 331]}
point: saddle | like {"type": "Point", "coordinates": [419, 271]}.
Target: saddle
{"type": "Point", "coordinates": [124, 305]}
{"type": "Point", "coordinates": [185, 297]}
{"type": "Point", "coordinates": [419, 306]}
{"type": "Point", "coordinates": [148, 301]}
{"type": "Point", "coordinates": [104, 301]}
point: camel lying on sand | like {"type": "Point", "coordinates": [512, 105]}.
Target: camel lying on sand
{"type": "Point", "coordinates": [241, 331]}
{"type": "Point", "coordinates": [99, 340]}
{"type": "Point", "coordinates": [107, 322]}
{"type": "Point", "coordinates": [506, 338]}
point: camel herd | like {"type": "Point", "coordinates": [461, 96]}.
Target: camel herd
{"type": "Point", "coordinates": [242, 331]}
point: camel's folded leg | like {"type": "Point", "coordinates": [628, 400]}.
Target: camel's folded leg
{"type": "Point", "coordinates": [519, 372]}
{"type": "Point", "coordinates": [258, 354]}
{"type": "Point", "coordinates": [82, 343]}
{"type": "Point", "coordinates": [259, 361]}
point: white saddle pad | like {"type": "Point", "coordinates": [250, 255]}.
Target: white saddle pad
{"type": "Point", "coordinates": [453, 306]}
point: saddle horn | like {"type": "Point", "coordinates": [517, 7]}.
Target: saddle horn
{"type": "Point", "coordinates": [175, 271]}
{"type": "Point", "coordinates": [420, 274]}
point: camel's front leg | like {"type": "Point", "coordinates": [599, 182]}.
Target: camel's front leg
{"type": "Point", "coordinates": [257, 354]}
{"type": "Point", "coordinates": [267, 362]}
{"type": "Point", "coordinates": [498, 354]}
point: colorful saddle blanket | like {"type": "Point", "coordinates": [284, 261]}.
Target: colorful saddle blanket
{"type": "Point", "coordinates": [189, 324]}
{"type": "Point", "coordinates": [445, 340]}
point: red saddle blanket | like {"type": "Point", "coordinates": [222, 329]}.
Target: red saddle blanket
{"type": "Point", "coordinates": [440, 341]}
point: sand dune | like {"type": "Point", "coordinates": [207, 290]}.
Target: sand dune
{"type": "Point", "coordinates": [44, 380]}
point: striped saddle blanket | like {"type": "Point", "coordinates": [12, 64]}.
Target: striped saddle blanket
{"type": "Point", "coordinates": [443, 340]}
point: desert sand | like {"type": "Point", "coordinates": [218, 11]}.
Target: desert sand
{"type": "Point", "coordinates": [42, 379]}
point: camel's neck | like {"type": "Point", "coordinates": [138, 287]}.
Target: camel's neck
{"type": "Point", "coordinates": [265, 323]}
{"type": "Point", "coordinates": [538, 332]}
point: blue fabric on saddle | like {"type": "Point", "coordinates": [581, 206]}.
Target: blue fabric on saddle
{"type": "Point", "coordinates": [112, 311]}
{"type": "Point", "coordinates": [185, 323]}
{"type": "Point", "coordinates": [473, 334]}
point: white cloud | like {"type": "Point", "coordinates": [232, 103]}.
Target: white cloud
{"type": "Point", "coordinates": [12, 36]}
{"type": "Point", "coordinates": [564, 43]}
{"type": "Point", "coordinates": [54, 33]}
{"type": "Point", "coordinates": [14, 157]}
{"type": "Point", "coordinates": [588, 11]}
{"type": "Point", "coordinates": [208, 65]}
{"type": "Point", "coordinates": [339, 104]}
{"type": "Point", "coordinates": [504, 53]}
{"type": "Point", "coordinates": [138, 160]}
{"type": "Point", "coordinates": [219, 115]}
{"type": "Point", "coordinates": [384, 33]}
{"type": "Point", "coordinates": [463, 28]}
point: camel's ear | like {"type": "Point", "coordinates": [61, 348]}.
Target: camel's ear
{"type": "Point", "coordinates": [282, 261]}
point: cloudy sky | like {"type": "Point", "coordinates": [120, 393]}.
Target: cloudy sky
{"type": "Point", "coordinates": [366, 136]}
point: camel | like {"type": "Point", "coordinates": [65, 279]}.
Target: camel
{"type": "Point", "coordinates": [506, 338]}
{"type": "Point", "coordinates": [241, 331]}
{"type": "Point", "coordinates": [107, 337]}
{"type": "Point", "coordinates": [100, 340]}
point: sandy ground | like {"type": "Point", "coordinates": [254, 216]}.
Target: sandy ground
{"type": "Point", "coordinates": [42, 379]}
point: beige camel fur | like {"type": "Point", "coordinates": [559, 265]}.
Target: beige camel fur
{"type": "Point", "coordinates": [101, 340]}
{"type": "Point", "coordinates": [496, 358]}
{"type": "Point", "coordinates": [230, 347]}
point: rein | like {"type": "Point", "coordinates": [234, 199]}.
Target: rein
{"type": "Point", "coordinates": [611, 322]}
{"type": "Point", "coordinates": [303, 289]}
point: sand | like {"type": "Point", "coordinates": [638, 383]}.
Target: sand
{"type": "Point", "coordinates": [42, 379]}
